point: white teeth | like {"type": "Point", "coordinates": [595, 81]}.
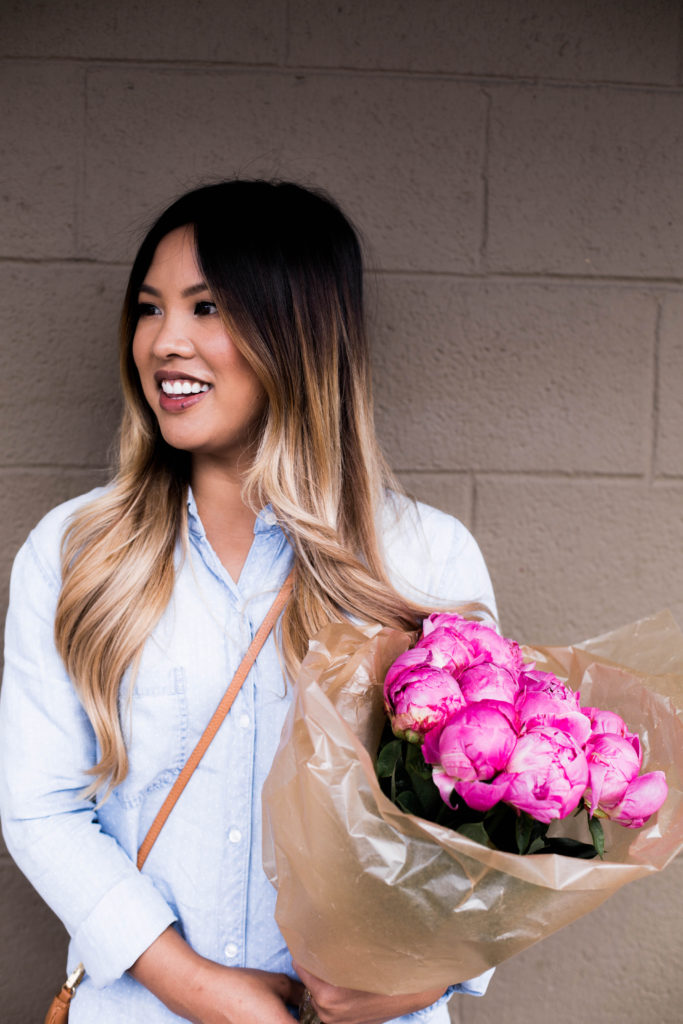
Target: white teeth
{"type": "Point", "coordinates": [183, 387]}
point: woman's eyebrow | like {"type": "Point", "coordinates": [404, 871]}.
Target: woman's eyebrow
{"type": "Point", "coordinates": [194, 289]}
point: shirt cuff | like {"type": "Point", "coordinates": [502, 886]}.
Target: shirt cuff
{"type": "Point", "coordinates": [124, 923]}
{"type": "Point", "coordinates": [473, 987]}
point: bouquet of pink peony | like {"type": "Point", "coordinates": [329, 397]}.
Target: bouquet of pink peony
{"type": "Point", "coordinates": [493, 748]}
{"type": "Point", "coordinates": [414, 879]}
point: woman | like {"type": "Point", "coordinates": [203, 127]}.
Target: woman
{"type": "Point", "coordinates": [247, 450]}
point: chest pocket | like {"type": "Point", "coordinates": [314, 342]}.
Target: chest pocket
{"type": "Point", "coordinates": [154, 718]}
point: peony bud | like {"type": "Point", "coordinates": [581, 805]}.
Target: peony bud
{"type": "Point", "coordinates": [643, 796]}
{"type": "Point", "coordinates": [613, 764]}
{"type": "Point", "coordinates": [606, 721]}
{"type": "Point", "coordinates": [609, 722]}
{"type": "Point", "coordinates": [420, 698]}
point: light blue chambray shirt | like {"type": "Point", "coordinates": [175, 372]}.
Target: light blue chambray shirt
{"type": "Point", "coordinates": [205, 872]}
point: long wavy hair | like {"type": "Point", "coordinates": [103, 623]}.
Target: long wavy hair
{"type": "Point", "coordinates": [284, 267]}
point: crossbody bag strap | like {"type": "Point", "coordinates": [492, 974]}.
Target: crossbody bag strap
{"type": "Point", "coordinates": [216, 720]}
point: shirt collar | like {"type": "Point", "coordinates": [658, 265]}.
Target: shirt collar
{"type": "Point", "coordinates": [265, 522]}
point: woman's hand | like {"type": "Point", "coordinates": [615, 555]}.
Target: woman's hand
{"type": "Point", "coordinates": [205, 992]}
{"type": "Point", "coordinates": [350, 1006]}
{"type": "Point", "coordinates": [238, 995]}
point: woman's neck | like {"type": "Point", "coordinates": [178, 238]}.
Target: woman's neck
{"type": "Point", "coordinates": [228, 522]}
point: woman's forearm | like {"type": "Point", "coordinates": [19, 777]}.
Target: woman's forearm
{"type": "Point", "coordinates": [205, 992]}
{"type": "Point", "coordinates": [172, 970]}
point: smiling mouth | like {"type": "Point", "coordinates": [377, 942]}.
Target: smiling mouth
{"type": "Point", "coordinates": [183, 387]}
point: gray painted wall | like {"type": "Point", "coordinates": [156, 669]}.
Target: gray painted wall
{"type": "Point", "coordinates": [516, 170]}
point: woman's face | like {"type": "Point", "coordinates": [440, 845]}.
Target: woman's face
{"type": "Point", "coordinates": [200, 387]}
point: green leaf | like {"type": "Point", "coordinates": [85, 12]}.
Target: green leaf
{"type": "Point", "coordinates": [598, 836]}
{"type": "Point", "coordinates": [408, 802]}
{"type": "Point", "coordinates": [392, 794]}
{"type": "Point", "coordinates": [500, 823]}
{"type": "Point", "coordinates": [419, 779]}
{"type": "Point", "coordinates": [538, 845]}
{"type": "Point", "coordinates": [475, 830]}
{"type": "Point", "coordinates": [388, 758]}
{"type": "Point", "coordinates": [524, 828]}
{"type": "Point", "coordinates": [569, 848]}
{"type": "Point", "coordinates": [415, 763]}
{"type": "Point", "coordinates": [428, 795]}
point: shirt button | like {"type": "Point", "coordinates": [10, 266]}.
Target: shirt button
{"type": "Point", "coordinates": [269, 518]}
{"type": "Point", "coordinates": [244, 721]}
{"type": "Point", "coordinates": [231, 950]}
{"type": "Point", "coordinates": [234, 835]}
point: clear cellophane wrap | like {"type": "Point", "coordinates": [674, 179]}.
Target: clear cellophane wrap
{"type": "Point", "coordinates": [372, 898]}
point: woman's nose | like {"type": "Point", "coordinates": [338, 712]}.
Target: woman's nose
{"type": "Point", "coordinates": [173, 337]}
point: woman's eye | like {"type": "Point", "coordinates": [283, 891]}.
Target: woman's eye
{"type": "Point", "coordinates": [148, 309]}
{"type": "Point", "coordinates": [205, 308]}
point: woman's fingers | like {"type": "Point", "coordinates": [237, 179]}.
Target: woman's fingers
{"type": "Point", "coordinates": [289, 989]}
{"type": "Point", "coordinates": [350, 1006]}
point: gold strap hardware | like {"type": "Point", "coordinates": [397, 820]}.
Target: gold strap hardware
{"type": "Point", "coordinates": [75, 978]}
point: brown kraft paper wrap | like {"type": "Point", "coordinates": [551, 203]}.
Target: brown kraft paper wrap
{"type": "Point", "coordinates": [375, 899]}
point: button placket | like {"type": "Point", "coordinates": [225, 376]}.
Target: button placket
{"type": "Point", "coordinates": [239, 758]}
{"type": "Point", "coordinates": [237, 776]}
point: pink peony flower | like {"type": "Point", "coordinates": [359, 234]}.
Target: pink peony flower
{"type": "Point", "coordinates": [488, 646]}
{"type": "Point", "coordinates": [475, 742]}
{"type": "Point", "coordinates": [419, 698]}
{"type": "Point", "coordinates": [613, 763]}
{"type": "Point", "coordinates": [608, 721]}
{"type": "Point", "coordinates": [496, 730]}
{"type": "Point", "coordinates": [473, 745]}
{"type": "Point", "coordinates": [605, 721]}
{"type": "Point", "coordinates": [534, 681]}
{"type": "Point", "coordinates": [448, 620]}
{"type": "Point", "coordinates": [480, 796]}
{"type": "Point", "coordinates": [643, 796]}
{"type": "Point", "coordinates": [448, 649]}
{"type": "Point", "coordinates": [546, 774]}
{"type": "Point", "coordinates": [488, 682]}
{"type": "Point", "coordinates": [544, 707]}
{"type": "Point", "coordinates": [409, 659]}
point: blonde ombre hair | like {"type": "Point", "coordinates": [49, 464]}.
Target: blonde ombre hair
{"type": "Point", "coordinates": [284, 268]}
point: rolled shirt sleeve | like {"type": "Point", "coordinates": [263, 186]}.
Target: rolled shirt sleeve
{"type": "Point", "coordinates": [437, 1012]}
{"type": "Point", "coordinates": [111, 910]}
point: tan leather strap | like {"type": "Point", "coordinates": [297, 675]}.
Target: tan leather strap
{"type": "Point", "coordinates": [58, 1010]}
{"type": "Point", "coordinates": [216, 719]}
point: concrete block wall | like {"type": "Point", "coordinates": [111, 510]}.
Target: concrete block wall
{"type": "Point", "coordinates": [516, 170]}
